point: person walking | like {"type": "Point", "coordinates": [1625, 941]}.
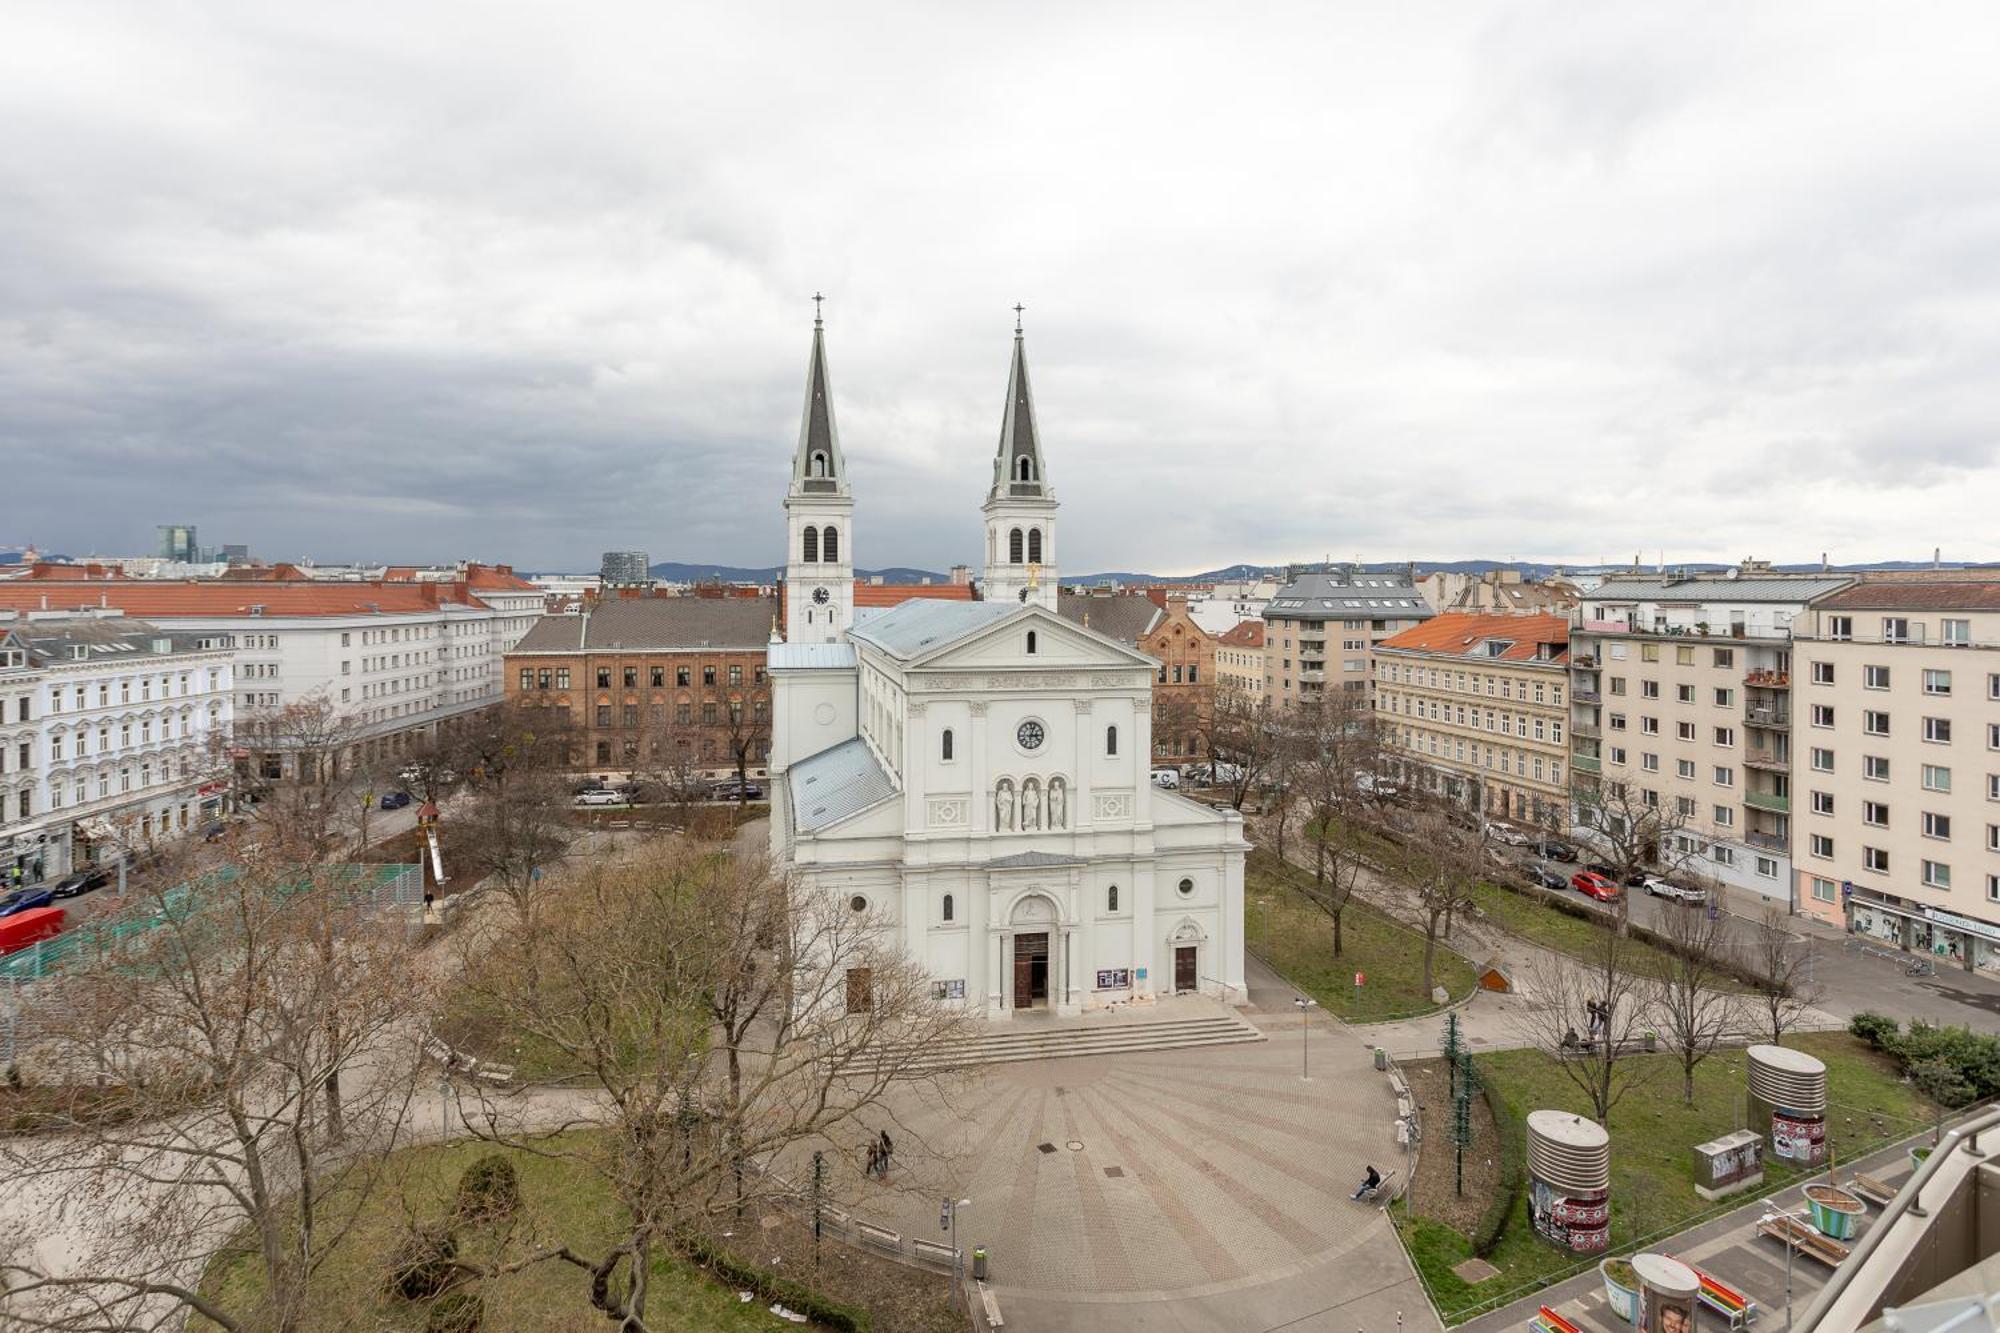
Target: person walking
{"type": "Point", "coordinates": [874, 1159]}
{"type": "Point", "coordinates": [888, 1151]}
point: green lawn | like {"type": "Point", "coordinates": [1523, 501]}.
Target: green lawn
{"type": "Point", "coordinates": [1296, 938]}
{"type": "Point", "coordinates": [1522, 915]}
{"type": "Point", "coordinates": [555, 1297]}
{"type": "Point", "coordinates": [1652, 1172]}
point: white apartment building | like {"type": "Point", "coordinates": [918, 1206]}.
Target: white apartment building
{"type": "Point", "coordinates": [1681, 694]}
{"type": "Point", "coordinates": [1321, 628]}
{"type": "Point", "coordinates": [1898, 831]}
{"type": "Point", "coordinates": [113, 739]}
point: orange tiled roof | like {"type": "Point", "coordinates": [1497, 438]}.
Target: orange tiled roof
{"type": "Point", "coordinates": [1462, 632]}
{"type": "Point", "coordinates": [895, 594]}
{"type": "Point", "coordinates": [167, 600]}
{"type": "Point", "coordinates": [45, 569]}
{"type": "Point", "coordinates": [1248, 634]}
{"type": "Point", "coordinates": [497, 577]}
{"type": "Point", "coordinates": [278, 573]}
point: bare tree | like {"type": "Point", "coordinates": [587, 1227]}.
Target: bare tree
{"type": "Point", "coordinates": [218, 1026]}
{"type": "Point", "coordinates": [1242, 744]}
{"type": "Point", "coordinates": [513, 761]}
{"type": "Point", "coordinates": [1335, 746]}
{"type": "Point", "coordinates": [300, 777]}
{"type": "Point", "coordinates": [719, 1016]}
{"type": "Point", "coordinates": [1441, 863]}
{"type": "Point", "coordinates": [1588, 1014]}
{"type": "Point", "coordinates": [1786, 987]}
{"type": "Point", "coordinates": [747, 731]}
{"type": "Point", "coordinates": [1696, 1009]}
{"type": "Point", "coordinates": [1630, 828]}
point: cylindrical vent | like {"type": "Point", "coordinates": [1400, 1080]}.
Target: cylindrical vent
{"type": "Point", "coordinates": [1784, 1078]}
{"type": "Point", "coordinates": [1569, 1152]}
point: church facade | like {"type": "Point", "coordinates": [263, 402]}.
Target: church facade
{"type": "Point", "coordinates": [976, 775]}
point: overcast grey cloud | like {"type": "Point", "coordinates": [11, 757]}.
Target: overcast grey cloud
{"type": "Point", "coordinates": [529, 282]}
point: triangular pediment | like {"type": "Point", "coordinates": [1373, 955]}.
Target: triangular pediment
{"type": "Point", "coordinates": [1060, 645]}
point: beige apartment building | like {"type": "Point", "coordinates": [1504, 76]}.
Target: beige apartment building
{"type": "Point", "coordinates": [1239, 661]}
{"type": "Point", "coordinates": [1474, 706]}
{"type": "Point", "coordinates": [1321, 628]}
{"type": "Point", "coordinates": [1681, 698]}
{"type": "Point", "coordinates": [1898, 738]}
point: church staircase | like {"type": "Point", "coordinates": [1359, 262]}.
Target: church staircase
{"type": "Point", "coordinates": [1035, 1038]}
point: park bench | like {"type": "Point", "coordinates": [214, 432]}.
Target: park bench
{"type": "Point", "coordinates": [1735, 1308]}
{"type": "Point", "coordinates": [880, 1238]}
{"type": "Point", "coordinates": [1548, 1321]}
{"type": "Point", "coordinates": [1871, 1189]}
{"type": "Point", "coordinates": [990, 1304]}
{"type": "Point", "coordinates": [1792, 1232]}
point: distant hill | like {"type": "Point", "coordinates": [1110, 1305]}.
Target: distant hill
{"type": "Point", "coordinates": [674, 571]}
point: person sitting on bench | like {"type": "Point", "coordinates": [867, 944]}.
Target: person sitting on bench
{"type": "Point", "coordinates": [1372, 1183]}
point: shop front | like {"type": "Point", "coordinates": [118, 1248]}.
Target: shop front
{"type": "Point", "coordinates": [1947, 937]}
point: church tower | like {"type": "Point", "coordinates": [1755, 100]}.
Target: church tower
{"type": "Point", "coordinates": [819, 518]}
{"type": "Point", "coordinates": [1021, 508]}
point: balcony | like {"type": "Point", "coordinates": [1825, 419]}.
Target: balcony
{"type": "Point", "coordinates": [1768, 760]}
{"type": "Point", "coordinates": [1767, 715]}
{"type": "Point", "coordinates": [1583, 662]}
{"type": "Point", "coordinates": [1587, 730]}
{"type": "Point", "coordinates": [1769, 680]}
{"type": "Point", "coordinates": [1584, 695]}
{"type": "Point", "coordinates": [1768, 802]}
{"type": "Point", "coordinates": [1311, 675]}
{"type": "Point", "coordinates": [1770, 842]}
{"type": "Point", "coordinates": [1585, 763]}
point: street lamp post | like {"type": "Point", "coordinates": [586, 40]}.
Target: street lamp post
{"type": "Point", "coordinates": [1791, 1247]}
{"type": "Point", "coordinates": [950, 1211]}
{"type": "Point", "coordinates": [1305, 1036]}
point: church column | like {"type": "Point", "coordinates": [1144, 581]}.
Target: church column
{"type": "Point", "coordinates": [996, 958]}
{"type": "Point", "coordinates": [982, 781]}
{"type": "Point", "coordinates": [1087, 741]}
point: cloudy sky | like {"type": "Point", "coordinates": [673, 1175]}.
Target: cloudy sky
{"type": "Point", "coordinates": [532, 281]}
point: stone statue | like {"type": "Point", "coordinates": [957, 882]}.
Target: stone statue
{"type": "Point", "coordinates": [1058, 803]}
{"type": "Point", "coordinates": [1003, 807]}
{"type": "Point", "coordinates": [1031, 805]}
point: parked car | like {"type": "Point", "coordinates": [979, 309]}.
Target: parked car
{"type": "Point", "coordinates": [1660, 887]}
{"type": "Point", "coordinates": [1370, 785]}
{"type": "Point", "coordinates": [1547, 876]}
{"type": "Point", "coordinates": [729, 789]}
{"type": "Point", "coordinates": [1167, 779]}
{"type": "Point", "coordinates": [1510, 835]}
{"type": "Point", "coordinates": [81, 881]}
{"type": "Point", "coordinates": [395, 800]}
{"type": "Point", "coordinates": [1631, 881]}
{"type": "Point", "coordinates": [1593, 885]}
{"type": "Point", "coordinates": [1556, 851]}
{"type": "Point", "coordinates": [600, 796]}
{"type": "Point", "coordinates": [26, 900]}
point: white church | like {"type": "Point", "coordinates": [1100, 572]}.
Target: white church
{"type": "Point", "coordinates": [977, 773]}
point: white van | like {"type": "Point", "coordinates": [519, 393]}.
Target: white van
{"type": "Point", "coordinates": [1168, 779]}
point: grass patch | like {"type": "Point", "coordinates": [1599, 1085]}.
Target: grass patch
{"type": "Point", "coordinates": [1652, 1166]}
{"type": "Point", "coordinates": [558, 1201]}
{"type": "Point", "coordinates": [1296, 938]}
{"type": "Point", "coordinates": [1520, 914]}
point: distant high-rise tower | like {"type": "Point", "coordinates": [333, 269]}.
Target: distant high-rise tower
{"type": "Point", "coordinates": [178, 542]}
{"type": "Point", "coordinates": [626, 569]}
{"type": "Point", "coordinates": [1021, 508]}
{"type": "Point", "coordinates": [819, 519]}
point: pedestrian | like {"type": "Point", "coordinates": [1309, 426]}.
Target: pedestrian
{"type": "Point", "coordinates": [888, 1150]}
{"type": "Point", "coordinates": [874, 1158]}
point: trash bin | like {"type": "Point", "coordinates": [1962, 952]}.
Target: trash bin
{"type": "Point", "coordinates": [979, 1264]}
{"type": "Point", "coordinates": [1381, 1058]}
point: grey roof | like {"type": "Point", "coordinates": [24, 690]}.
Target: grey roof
{"type": "Point", "coordinates": [1718, 588]}
{"type": "Point", "coordinates": [817, 433]}
{"type": "Point", "coordinates": [810, 656]}
{"type": "Point", "coordinates": [1125, 617]}
{"type": "Point", "coordinates": [836, 783]}
{"type": "Point", "coordinates": [1029, 860]}
{"type": "Point", "coordinates": [1019, 437]}
{"type": "Point", "coordinates": [915, 627]}
{"type": "Point", "coordinates": [57, 640]}
{"type": "Point", "coordinates": [656, 624]}
{"type": "Point", "coordinates": [1347, 593]}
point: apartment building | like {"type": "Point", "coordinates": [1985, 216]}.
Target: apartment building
{"type": "Point", "coordinates": [1473, 706]}
{"type": "Point", "coordinates": [1184, 693]}
{"type": "Point", "coordinates": [654, 683]}
{"type": "Point", "coordinates": [113, 737]}
{"type": "Point", "coordinates": [1898, 831]}
{"type": "Point", "coordinates": [1681, 696]}
{"type": "Point", "coordinates": [1321, 628]}
{"type": "Point", "coordinates": [1239, 661]}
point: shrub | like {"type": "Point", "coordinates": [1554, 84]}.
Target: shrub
{"type": "Point", "coordinates": [1493, 1219]}
{"type": "Point", "coordinates": [488, 1189]}
{"type": "Point", "coordinates": [425, 1267]}
{"type": "Point", "coordinates": [455, 1312]}
{"type": "Point", "coordinates": [805, 1300]}
{"type": "Point", "coordinates": [1974, 1058]}
{"type": "Point", "coordinates": [1878, 1030]}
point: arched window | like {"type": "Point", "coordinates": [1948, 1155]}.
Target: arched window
{"type": "Point", "coordinates": [944, 751]}
{"type": "Point", "coordinates": [947, 907]}
{"type": "Point", "coordinates": [1014, 547]}
{"type": "Point", "coordinates": [1031, 641]}
{"type": "Point", "coordinates": [1034, 546]}
{"type": "Point", "coordinates": [1111, 740]}
{"type": "Point", "coordinates": [818, 463]}
{"type": "Point", "coordinates": [832, 542]}
{"type": "Point", "coordinates": [810, 554]}
{"type": "Point", "coordinates": [1024, 469]}
{"type": "Point", "coordinates": [1111, 899]}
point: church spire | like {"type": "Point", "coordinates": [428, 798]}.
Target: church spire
{"type": "Point", "coordinates": [817, 466]}
{"type": "Point", "coordinates": [1017, 468]}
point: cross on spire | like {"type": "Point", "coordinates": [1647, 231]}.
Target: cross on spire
{"type": "Point", "coordinates": [817, 298]}
{"type": "Point", "coordinates": [1018, 308]}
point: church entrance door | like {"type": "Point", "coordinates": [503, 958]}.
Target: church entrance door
{"type": "Point", "coordinates": [1031, 970]}
{"type": "Point", "coordinates": [1184, 974]}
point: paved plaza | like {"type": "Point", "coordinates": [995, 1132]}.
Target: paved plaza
{"type": "Point", "coordinates": [1187, 1189]}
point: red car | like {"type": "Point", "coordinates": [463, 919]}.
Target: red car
{"type": "Point", "coordinates": [1594, 885]}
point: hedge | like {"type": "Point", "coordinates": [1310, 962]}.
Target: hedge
{"type": "Point", "coordinates": [700, 1250]}
{"type": "Point", "coordinates": [1493, 1221]}
{"type": "Point", "coordinates": [1974, 1057]}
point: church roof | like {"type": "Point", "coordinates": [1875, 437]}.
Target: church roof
{"type": "Point", "coordinates": [921, 624]}
{"type": "Point", "coordinates": [836, 783]}
{"type": "Point", "coordinates": [818, 436]}
{"type": "Point", "coordinates": [810, 656]}
{"type": "Point", "coordinates": [1125, 617]}
{"type": "Point", "coordinates": [1019, 437]}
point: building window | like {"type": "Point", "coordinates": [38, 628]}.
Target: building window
{"type": "Point", "coordinates": [604, 678]}
{"type": "Point", "coordinates": [1111, 741]}
{"type": "Point", "coordinates": [860, 986]}
{"type": "Point", "coordinates": [1684, 768]}
{"type": "Point", "coordinates": [1875, 723]}
{"type": "Point", "coordinates": [944, 746]}
{"type": "Point", "coordinates": [946, 914]}
{"type": "Point", "coordinates": [1873, 813]}
{"type": "Point", "coordinates": [1034, 543]}
{"type": "Point", "coordinates": [809, 553]}
{"type": "Point", "coordinates": [1824, 890]}
{"type": "Point", "coordinates": [1875, 859]}
{"type": "Point", "coordinates": [1014, 544]}
{"type": "Point", "coordinates": [1111, 899]}
{"type": "Point", "coordinates": [1821, 846]}
{"type": "Point", "coordinates": [1937, 875]}
{"type": "Point", "coordinates": [658, 675]}
{"type": "Point", "coordinates": [1937, 730]}
{"type": "Point", "coordinates": [1822, 802]}
{"type": "Point", "coordinates": [1725, 816]}
{"type": "Point", "coordinates": [1767, 867]}
{"type": "Point", "coordinates": [1031, 642]}
{"type": "Point", "coordinates": [1937, 777]}
{"type": "Point", "coordinates": [1874, 678]}
{"type": "Point", "coordinates": [1937, 826]}
{"type": "Point", "coordinates": [1937, 682]}
{"type": "Point", "coordinates": [1186, 888]}
{"type": "Point", "coordinates": [1724, 776]}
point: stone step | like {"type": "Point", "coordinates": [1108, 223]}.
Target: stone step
{"type": "Point", "coordinates": [1062, 1043]}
